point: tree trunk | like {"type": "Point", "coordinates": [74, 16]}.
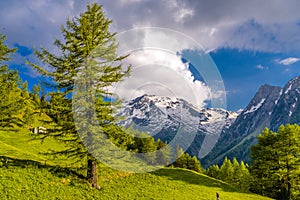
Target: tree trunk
{"type": "Point", "coordinates": [289, 189]}
{"type": "Point", "coordinates": [92, 175]}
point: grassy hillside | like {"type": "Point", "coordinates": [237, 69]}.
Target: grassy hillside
{"type": "Point", "coordinates": [25, 175]}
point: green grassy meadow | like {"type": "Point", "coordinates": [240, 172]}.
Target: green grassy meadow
{"type": "Point", "coordinates": [26, 173]}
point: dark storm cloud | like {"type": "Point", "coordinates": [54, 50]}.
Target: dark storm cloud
{"type": "Point", "coordinates": [269, 25]}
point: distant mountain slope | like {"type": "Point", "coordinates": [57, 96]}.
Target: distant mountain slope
{"type": "Point", "coordinates": [270, 107]}
{"type": "Point", "coordinates": [163, 117]}
{"type": "Point", "coordinates": [287, 107]}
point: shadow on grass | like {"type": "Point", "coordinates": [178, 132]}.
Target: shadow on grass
{"type": "Point", "coordinates": [191, 177]}
{"type": "Point", "coordinates": [56, 170]}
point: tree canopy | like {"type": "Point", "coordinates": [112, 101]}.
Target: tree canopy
{"type": "Point", "coordinates": [276, 163]}
{"type": "Point", "coordinates": [88, 49]}
{"type": "Point", "coordinates": [11, 101]}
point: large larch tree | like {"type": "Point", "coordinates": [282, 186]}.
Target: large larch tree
{"type": "Point", "coordinates": [88, 49]}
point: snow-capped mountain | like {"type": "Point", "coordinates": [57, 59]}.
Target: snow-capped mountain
{"type": "Point", "coordinates": [164, 117]}
{"type": "Point", "coordinates": [270, 107]}
{"type": "Point", "coordinates": [233, 133]}
{"type": "Point", "coordinates": [287, 106]}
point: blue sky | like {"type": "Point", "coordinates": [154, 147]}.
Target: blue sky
{"type": "Point", "coordinates": [251, 42]}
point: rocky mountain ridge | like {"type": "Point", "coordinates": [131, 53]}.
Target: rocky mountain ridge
{"type": "Point", "coordinates": [271, 107]}
{"type": "Point", "coordinates": [215, 133]}
{"type": "Point", "coordinates": [163, 117]}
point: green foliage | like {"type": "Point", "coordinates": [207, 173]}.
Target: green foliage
{"type": "Point", "coordinates": [15, 103]}
{"type": "Point", "coordinates": [226, 171]}
{"type": "Point", "coordinates": [5, 53]}
{"type": "Point", "coordinates": [185, 161]}
{"type": "Point", "coordinates": [213, 171]}
{"type": "Point", "coordinates": [11, 102]}
{"type": "Point", "coordinates": [276, 163]}
{"type": "Point", "coordinates": [265, 164]}
{"type": "Point", "coordinates": [195, 165]}
{"type": "Point", "coordinates": [163, 153]}
{"type": "Point", "coordinates": [30, 111]}
{"type": "Point", "coordinates": [144, 144]}
{"type": "Point", "coordinates": [8, 88]}
{"type": "Point", "coordinates": [245, 178]}
{"type": "Point", "coordinates": [234, 173]}
{"type": "Point", "coordinates": [85, 67]}
{"type": "Point", "coordinates": [156, 153]}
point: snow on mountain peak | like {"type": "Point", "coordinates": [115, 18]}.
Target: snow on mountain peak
{"type": "Point", "coordinates": [153, 114]}
{"type": "Point", "coordinates": [292, 84]}
{"type": "Point", "coordinates": [256, 107]}
{"type": "Point", "coordinates": [276, 101]}
{"type": "Point", "coordinates": [287, 90]}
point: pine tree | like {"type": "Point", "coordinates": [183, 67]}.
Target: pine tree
{"type": "Point", "coordinates": [88, 50]}
{"type": "Point", "coordinates": [234, 173]}
{"type": "Point", "coordinates": [235, 177]}
{"type": "Point", "coordinates": [241, 177]}
{"type": "Point", "coordinates": [181, 158]}
{"type": "Point", "coordinates": [5, 53]}
{"type": "Point", "coordinates": [38, 104]}
{"type": "Point", "coordinates": [214, 171]}
{"type": "Point", "coordinates": [195, 165]}
{"type": "Point", "coordinates": [163, 153]}
{"type": "Point", "coordinates": [10, 101]}
{"type": "Point", "coordinates": [226, 170]}
{"type": "Point", "coordinates": [245, 178]}
{"type": "Point", "coordinates": [265, 164]}
{"type": "Point", "coordinates": [144, 144]}
{"type": "Point", "coordinates": [276, 163]}
{"type": "Point", "coordinates": [289, 159]}
{"type": "Point", "coordinates": [185, 161]}
{"type": "Point", "coordinates": [28, 107]}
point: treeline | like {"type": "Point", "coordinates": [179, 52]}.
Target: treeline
{"type": "Point", "coordinates": [276, 163]}
{"type": "Point", "coordinates": [185, 161]}
{"type": "Point", "coordinates": [275, 167]}
{"type": "Point", "coordinates": [232, 172]}
{"type": "Point", "coordinates": [18, 105]}
{"type": "Point", "coordinates": [274, 170]}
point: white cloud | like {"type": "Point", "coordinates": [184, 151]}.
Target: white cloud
{"type": "Point", "coordinates": [157, 67]}
{"type": "Point", "coordinates": [289, 61]}
{"type": "Point", "coordinates": [262, 67]}
{"type": "Point", "coordinates": [161, 73]}
{"type": "Point", "coordinates": [184, 13]}
{"type": "Point", "coordinates": [180, 11]}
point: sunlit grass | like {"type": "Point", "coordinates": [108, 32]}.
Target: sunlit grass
{"type": "Point", "coordinates": [24, 175]}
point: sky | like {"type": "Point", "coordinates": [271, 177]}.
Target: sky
{"type": "Point", "coordinates": [250, 43]}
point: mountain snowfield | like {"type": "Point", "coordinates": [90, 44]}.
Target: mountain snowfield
{"type": "Point", "coordinates": [165, 117]}
{"type": "Point", "coordinates": [213, 133]}
{"type": "Point", "coordinates": [163, 112]}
